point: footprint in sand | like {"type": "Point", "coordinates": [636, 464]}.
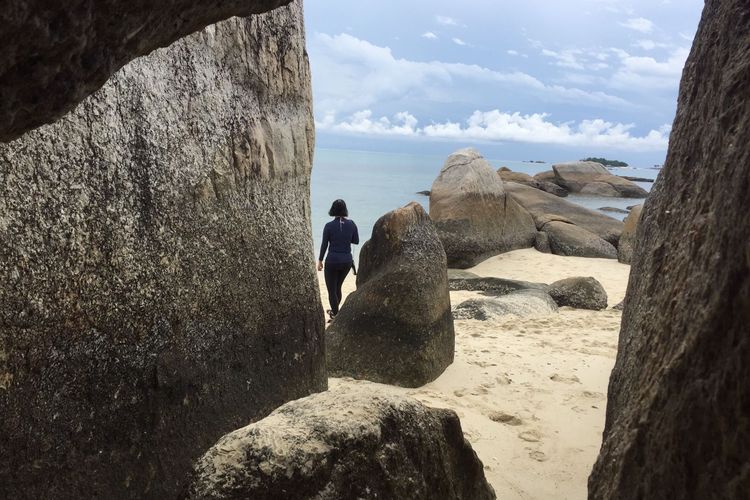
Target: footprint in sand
{"type": "Point", "coordinates": [505, 418]}
{"type": "Point", "coordinates": [503, 380]}
{"type": "Point", "coordinates": [530, 436]}
{"type": "Point", "coordinates": [565, 380]}
{"type": "Point", "coordinates": [538, 456]}
{"type": "Point", "coordinates": [479, 391]}
{"type": "Point", "coordinates": [592, 395]}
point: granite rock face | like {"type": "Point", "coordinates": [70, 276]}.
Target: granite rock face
{"type": "Point", "coordinates": [508, 175]}
{"type": "Point", "coordinates": [474, 216]}
{"type": "Point", "coordinates": [55, 54]}
{"type": "Point", "coordinates": [140, 307]}
{"type": "Point", "coordinates": [345, 444]}
{"type": "Point", "coordinates": [627, 239]}
{"type": "Point", "coordinates": [396, 328]}
{"type": "Point", "coordinates": [678, 423]}
{"type": "Point", "coordinates": [588, 177]}
{"type": "Point", "coordinates": [545, 208]}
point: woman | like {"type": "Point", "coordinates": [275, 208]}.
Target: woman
{"type": "Point", "coordinates": [338, 236]}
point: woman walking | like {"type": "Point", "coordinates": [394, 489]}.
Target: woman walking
{"type": "Point", "coordinates": [338, 237]}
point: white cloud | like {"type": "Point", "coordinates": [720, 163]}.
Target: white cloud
{"type": "Point", "coordinates": [447, 21]}
{"type": "Point", "coordinates": [497, 126]}
{"type": "Point", "coordinates": [361, 123]}
{"type": "Point", "coordinates": [566, 59]}
{"type": "Point", "coordinates": [651, 45]}
{"type": "Point", "coordinates": [430, 35]}
{"type": "Point", "coordinates": [352, 74]}
{"type": "Point", "coordinates": [460, 42]}
{"type": "Point", "coordinates": [646, 73]}
{"type": "Point", "coordinates": [640, 24]}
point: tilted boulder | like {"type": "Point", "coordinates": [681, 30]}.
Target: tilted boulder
{"type": "Point", "coordinates": [55, 54]}
{"type": "Point", "coordinates": [579, 293]}
{"type": "Point", "coordinates": [474, 216]}
{"type": "Point", "coordinates": [141, 310]}
{"type": "Point", "coordinates": [508, 175]}
{"type": "Point", "coordinates": [396, 328]}
{"type": "Point", "coordinates": [345, 444]}
{"type": "Point", "coordinates": [545, 207]}
{"type": "Point", "coordinates": [524, 303]}
{"type": "Point", "coordinates": [588, 177]}
{"type": "Point", "coordinates": [677, 410]}
{"type": "Point", "coordinates": [547, 176]}
{"type": "Point", "coordinates": [627, 239]}
{"type": "Point", "coordinates": [573, 241]}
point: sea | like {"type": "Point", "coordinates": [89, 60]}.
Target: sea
{"type": "Point", "coordinates": [373, 183]}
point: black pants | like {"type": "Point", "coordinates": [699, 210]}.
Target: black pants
{"type": "Point", "coordinates": [335, 275]}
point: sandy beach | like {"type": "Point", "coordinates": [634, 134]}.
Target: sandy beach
{"type": "Point", "coordinates": [530, 392]}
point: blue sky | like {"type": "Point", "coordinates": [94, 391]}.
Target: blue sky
{"type": "Point", "coordinates": [519, 79]}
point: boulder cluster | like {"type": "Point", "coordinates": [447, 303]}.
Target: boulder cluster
{"type": "Point", "coordinates": [524, 299]}
{"type": "Point", "coordinates": [479, 214]}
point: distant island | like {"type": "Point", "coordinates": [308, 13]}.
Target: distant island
{"type": "Point", "coordinates": [607, 163]}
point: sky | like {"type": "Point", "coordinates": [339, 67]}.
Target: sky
{"type": "Point", "coordinates": [546, 80]}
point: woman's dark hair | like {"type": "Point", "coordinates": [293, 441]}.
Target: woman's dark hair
{"type": "Point", "coordinates": [338, 209]}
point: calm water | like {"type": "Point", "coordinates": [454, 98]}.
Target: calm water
{"type": "Point", "coordinates": [375, 183]}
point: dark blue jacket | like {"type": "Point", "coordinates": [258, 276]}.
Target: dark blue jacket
{"type": "Point", "coordinates": [338, 236]}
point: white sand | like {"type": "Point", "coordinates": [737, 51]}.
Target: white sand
{"type": "Point", "coordinates": [548, 374]}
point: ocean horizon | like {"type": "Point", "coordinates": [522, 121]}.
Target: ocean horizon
{"type": "Point", "coordinates": [373, 183]}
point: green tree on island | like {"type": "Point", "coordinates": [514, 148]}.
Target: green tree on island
{"type": "Point", "coordinates": [607, 163]}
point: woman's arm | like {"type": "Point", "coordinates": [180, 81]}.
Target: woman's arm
{"type": "Point", "coordinates": [324, 245]}
{"type": "Point", "coordinates": [355, 235]}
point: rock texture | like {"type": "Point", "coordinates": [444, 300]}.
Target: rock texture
{"type": "Point", "coordinates": [678, 423]}
{"type": "Point", "coordinates": [474, 216]}
{"type": "Point", "coordinates": [571, 240]}
{"type": "Point", "coordinates": [491, 286]}
{"type": "Point", "coordinates": [587, 177]}
{"type": "Point", "coordinates": [508, 175]}
{"type": "Point", "coordinates": [541, 243]}
{"type": "Point", "coordinates": [55, 54]}
{"type": "Point", "coordinates": [545, 207]}
{"type": "Point", "coordinates": [396, 328]}
{"type": "Point", "coordinates": [627, 239]}
{"type": "Point", "coordinates": [345, 444]}
{"type": "Point", "coordinates": [140, 307]}
{"type": "Point", "coordinates": [525, 303]}
{"type": "Point", "coordinates": [579, 293]}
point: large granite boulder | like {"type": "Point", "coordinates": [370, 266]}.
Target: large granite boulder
{"type": "Point", "coordinates": [55, 54]}
{"type": "Point", "coordinates": [588, 177]}
{"type": "Point", "coordinates": [579, 293]}
{"type": "Point", "coordinates": [474, 216]}
{"type": "Point", "coordinates": [678, 400]}
{"type": "Point", "coordinates": [508, 175]}
{"type": "Point", "coordinates": [345, 444]}
{"type": "Point", "coordinates": [573, 241]}
{"type": "Point", "coordinates": [142, 315]}
{"type": "Point", "coordinates": [545, 208]}
{"type": "Point", "coordinates": [524, 303]}
{"type": "Point", "coordinates": [397, 327]}
{"type": "Point", "coordinates": [627, 239]}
